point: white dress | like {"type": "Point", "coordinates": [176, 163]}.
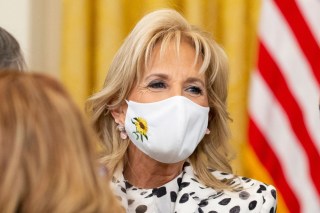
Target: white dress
{"type": "Point", "coordinates": [185, 194]}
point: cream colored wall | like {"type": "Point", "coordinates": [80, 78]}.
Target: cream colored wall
{"type": "Point", "coordinates": [36, 25]}
{"type": "Point", "coordinates": [15, 18]}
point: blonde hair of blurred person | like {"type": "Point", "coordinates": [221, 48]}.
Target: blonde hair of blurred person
{"type": "Point", "coordinates": [48, 161]}
{"type": "Point", "coordinates": [11, 57]}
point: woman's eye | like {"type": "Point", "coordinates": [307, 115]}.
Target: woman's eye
{"type": "Point", "coordinates": [157, 85]}
{"type": "Point", "coordinates": [195, 90]}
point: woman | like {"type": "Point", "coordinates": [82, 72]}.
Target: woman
{"type": "Point", "coordinates": [163, 120]}
{"type": "Point", "coordinates": [47, 157]}
{"type": "Point", "coordinates": [11, 57]}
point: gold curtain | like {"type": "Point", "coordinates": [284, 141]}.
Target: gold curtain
{"type": "Point", "coordinates": [93, 30]}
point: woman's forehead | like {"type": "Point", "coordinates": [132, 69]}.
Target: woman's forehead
{"type": "Point", "coordinates": [172, 43]}
{"type": "Point", "coordinates": [166, 50]}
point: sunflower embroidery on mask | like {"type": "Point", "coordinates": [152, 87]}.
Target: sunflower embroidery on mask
{"type": "Point", "coordinates": [141, 128]}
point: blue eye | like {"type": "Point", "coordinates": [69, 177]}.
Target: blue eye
{"type": "Point", "coordinates": [195, 90]}
{"type": "Point", "coordinates": [157, 85]}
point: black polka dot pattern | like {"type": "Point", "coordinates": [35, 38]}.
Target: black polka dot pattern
{"type": "Point", "coordinates": [203, 203]}
{"type": "Point", "coordinates": [141, 209]}
{"type": "Point", "coordinates": [160, 191]}
{"type": "Point", "coordinates": [128, 185]}
{"type": "Point", "coordinates": [261, 188]}
{"type": "Point", "coordinates": [235, 209]}
{"type": "Point", "coordinates": [225, 201]}
{"type": "Point", "coordinates": [186, 193]}
{"type": "Point", "coordinates": [274, 193]}
{"type": "Point", "coordinates": [252, 205]}
{"type": "Point", "coordinates": [173, 196]}
{"type": "Point", "coordinates": [130, 201]}
{"type": "Point", "coordinates": [183, 185]}
{"type": "Point", "coordinates": [143, 193]}
{"type": "Point", "coordinates": [244, 195]}
{"type": "Point", "coordinates": [184, 198]}
{"type": "Point", "coordinates": [123, 189]}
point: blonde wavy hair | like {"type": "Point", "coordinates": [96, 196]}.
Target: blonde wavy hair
{"type": "Point", "coordinates": [164, 26]}
{"type": "Point", "coordinates": [48, 161]}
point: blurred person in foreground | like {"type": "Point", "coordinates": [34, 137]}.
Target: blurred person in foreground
{"type": "Point", "coordinates": [163, 121]}
{"type": "Point", "coordinates": [48, 161]}
{"type": "Point", "coordinates": [11, 57]}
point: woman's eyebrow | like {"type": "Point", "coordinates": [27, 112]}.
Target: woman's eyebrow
{"type": "Point", "coordinates": [159, 75]}
{"type": "Point", "coordinates": [195, 80]}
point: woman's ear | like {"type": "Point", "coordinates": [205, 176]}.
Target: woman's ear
{"type": "Point", "coordinates": [119, 114]}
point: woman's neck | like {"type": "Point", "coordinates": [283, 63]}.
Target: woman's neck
{"type": "Point", "coordinates": [145, 172]}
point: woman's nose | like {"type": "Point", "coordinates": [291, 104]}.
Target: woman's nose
{"type": "Point", "coordinates": [177, 91]}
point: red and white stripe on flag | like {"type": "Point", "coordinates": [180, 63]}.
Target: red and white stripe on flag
{"type": "Point", "coordinates": [284, 121]}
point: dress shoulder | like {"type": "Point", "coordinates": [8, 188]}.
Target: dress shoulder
{"type": "Point", "coordinates": [250, 189]}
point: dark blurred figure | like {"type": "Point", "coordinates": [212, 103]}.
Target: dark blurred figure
{"type": "Point", "coordinates": [11, 57]}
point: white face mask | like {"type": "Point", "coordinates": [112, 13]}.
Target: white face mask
{"type": "Point", "coordinates": [168, 130]}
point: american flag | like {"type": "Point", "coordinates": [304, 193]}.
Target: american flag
{"type": "Point", "coordinates": [284, 121]}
